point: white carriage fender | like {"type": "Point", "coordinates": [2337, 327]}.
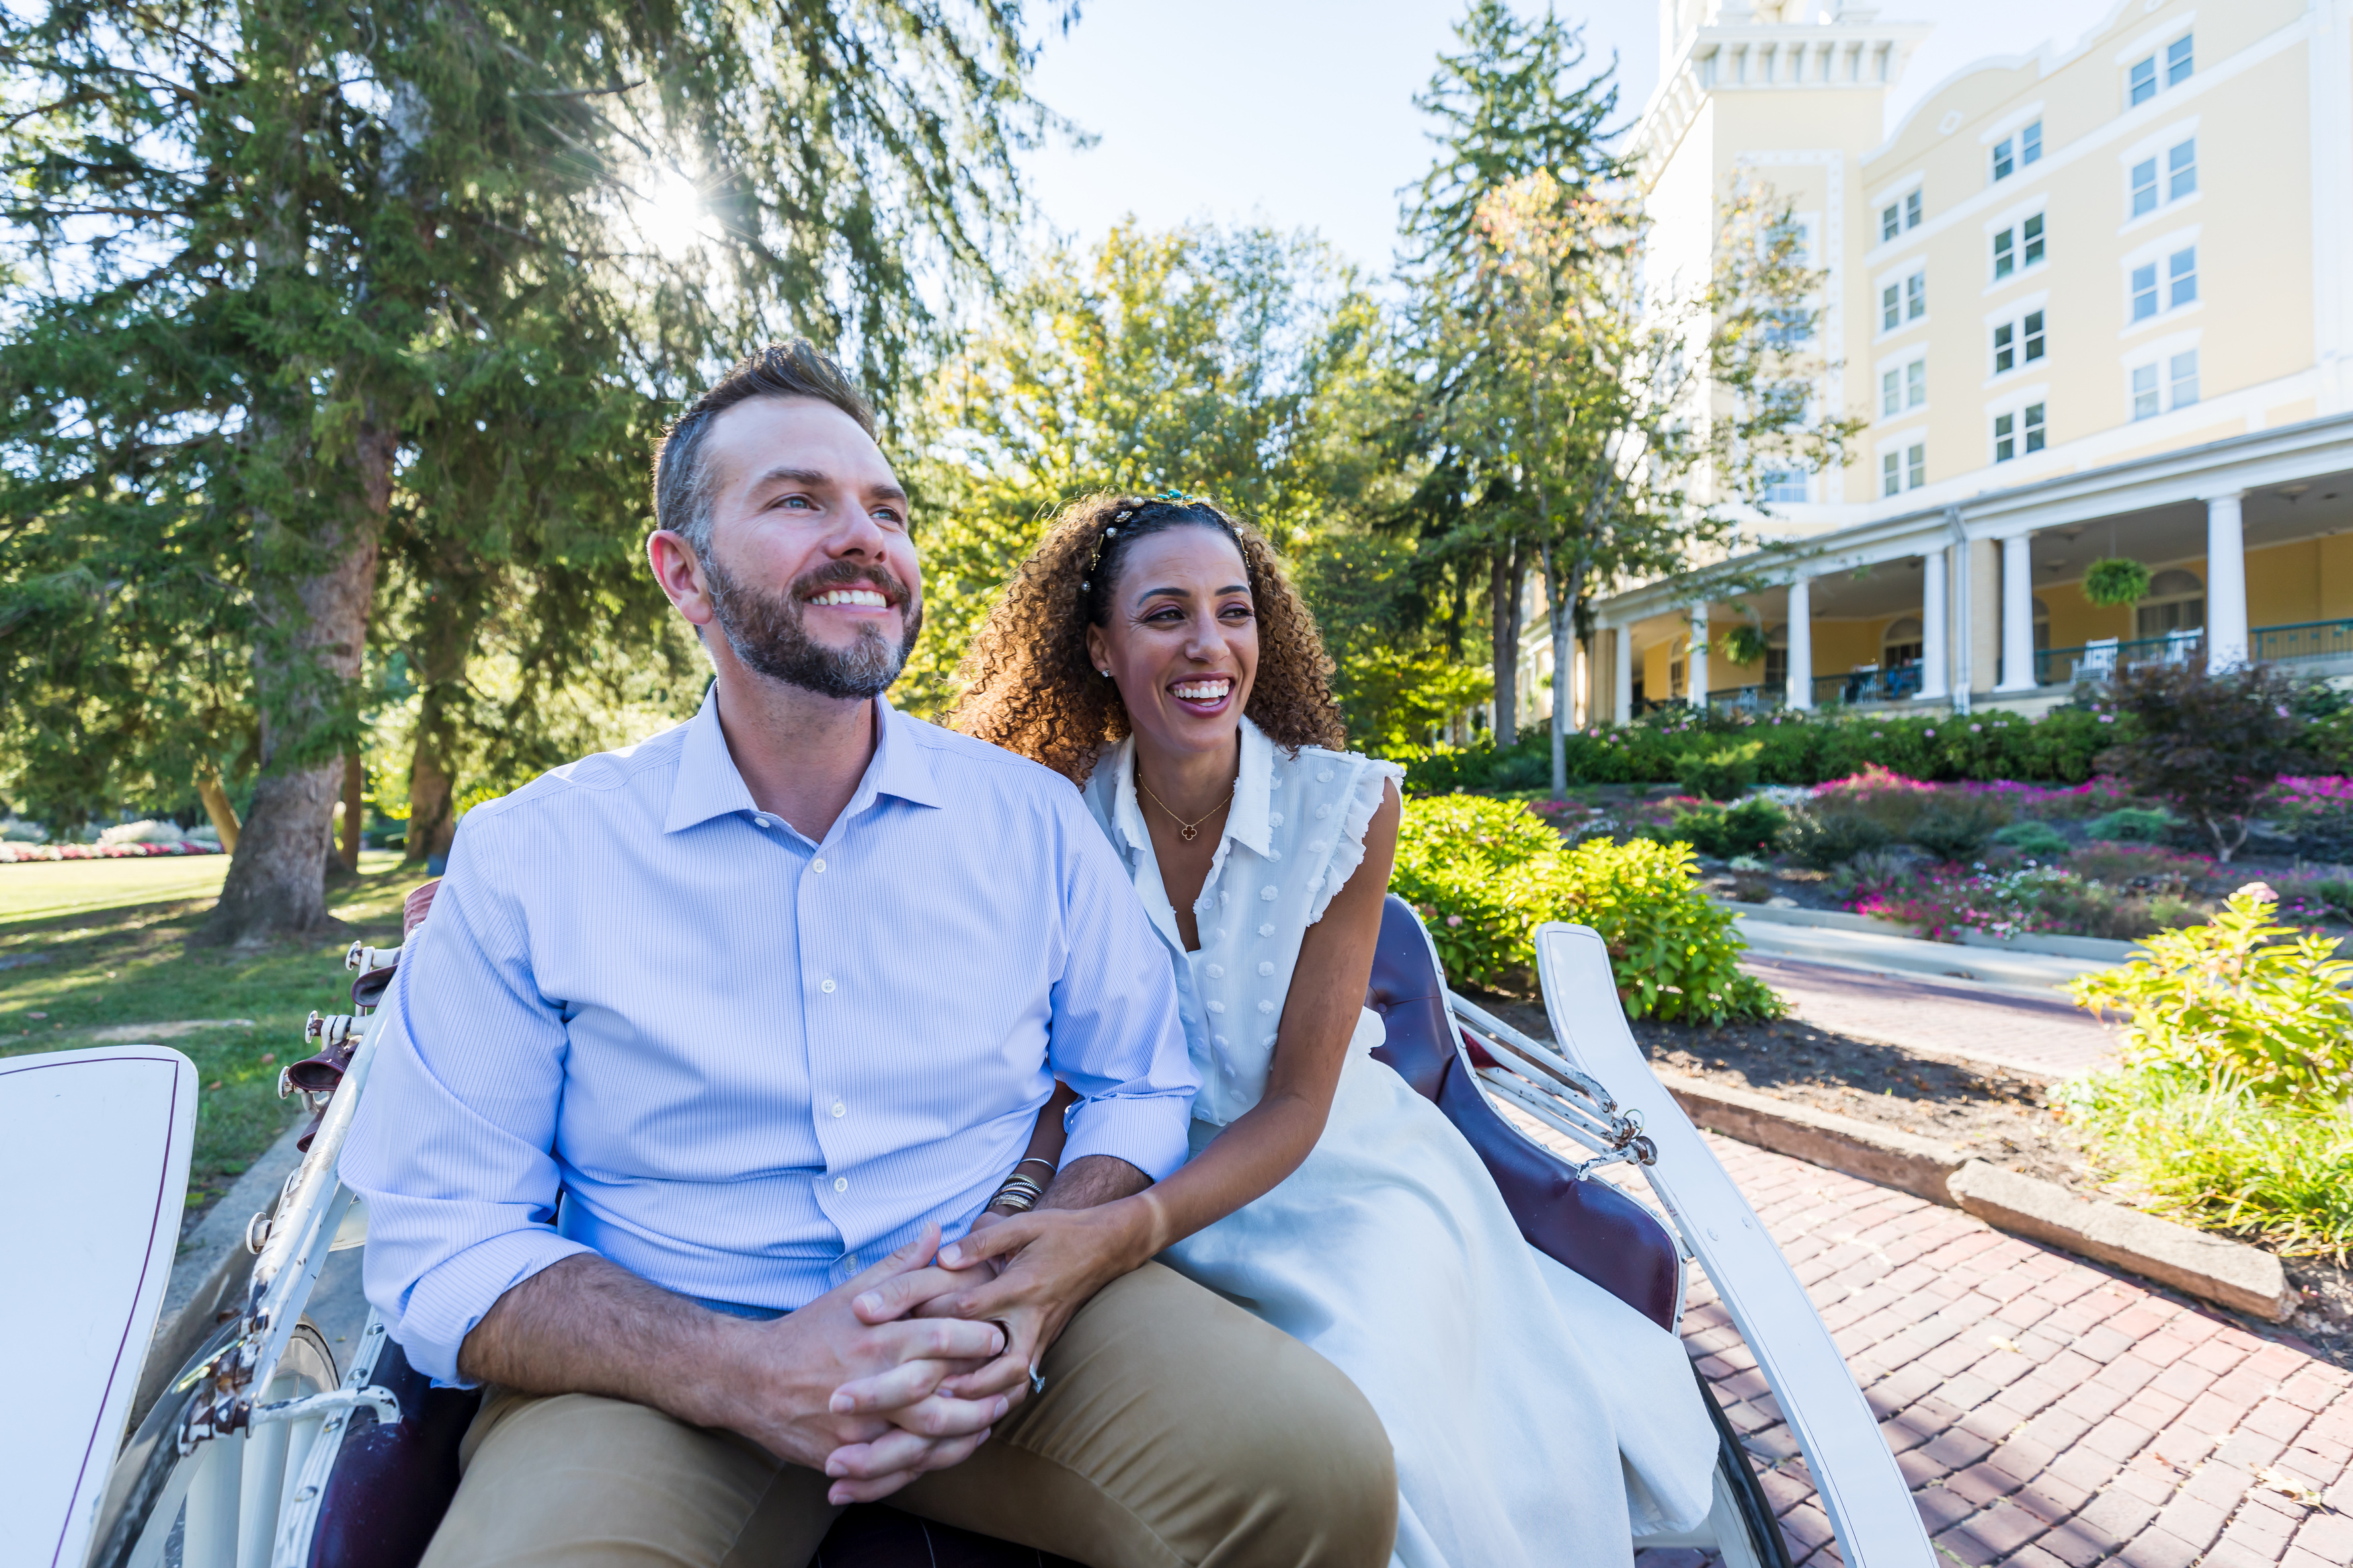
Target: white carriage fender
{"type": "Point", "coordinates": [1868, 1502]}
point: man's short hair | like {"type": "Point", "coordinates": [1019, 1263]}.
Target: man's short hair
{"type": "Point", "coordinates": [796, 369]}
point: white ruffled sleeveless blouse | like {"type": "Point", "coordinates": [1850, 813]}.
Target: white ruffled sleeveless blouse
{"type": "Point", "coordinates": [1294, 835]}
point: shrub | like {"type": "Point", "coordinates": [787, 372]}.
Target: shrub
{"type": "Point", "coordinates": [1823, 839]}
{"type": "Point", "coordinates": [2209, 746]}
{"type": "Point", "coordinates": [2221, 1156]}
{"type": "Point", "coordinates": [2144, 868]}
{"type": "Point", "coordinates": [2131, 825]}
{"type": "Point", "coordinates": [2240, 999]}
{"type": "Point", "coordinates": [1484, 874]}
{"type": "Point", "coordinates": [2317, 813]}
{"type": "Point", "coordinates": [1723, 775]}
{"type": "Point", "coordinates": [2039, 839]}
{"type": "Point", "coordinates": [1752, 827]}
{"type": "Point", "coordinates": [1958, 826]}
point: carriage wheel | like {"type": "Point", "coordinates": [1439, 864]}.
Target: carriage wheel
{"type": "Point", "coordinates": [1764, 1532]}
{"type": "Point", "coordinates": [225, 1493]}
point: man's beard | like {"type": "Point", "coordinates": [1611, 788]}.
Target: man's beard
{"type": "Point", "coordinates": [769, 632]}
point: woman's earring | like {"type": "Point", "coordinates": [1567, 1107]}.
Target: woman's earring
{"type": "Point", "coordinates": [1106, 675]}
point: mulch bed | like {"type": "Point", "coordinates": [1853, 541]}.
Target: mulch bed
{"type": "Point", "coordinates": [2001, 1117]}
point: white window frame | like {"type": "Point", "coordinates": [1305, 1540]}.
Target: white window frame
{"type": "Point", "coordinates": [1893, 195]}
{"type": "Point", "coordinates": [2155, 149]}
{"type": "Point", "coordinates": [2158, 252]}
{"type": "Point", "coordinates": [2013, 315]}
{"type": "Point", "coordinates": [2012, 405]}
{"type": "Point", "coordinates": [2013, 221]}
{"type": "Point", "coordinates": [2153, 48]}
{"type": "Point", "coordinates": [1901, 281]}
{"type": "Point", "coordinates": [1900, 447]}
{"type": "Point", "coordinates": [1900, 366]}
{"type": "Point", "coordinates": [2156, 356]}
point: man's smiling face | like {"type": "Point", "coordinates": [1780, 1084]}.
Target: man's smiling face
{"type": "Point", "coordinates": [810, 570]}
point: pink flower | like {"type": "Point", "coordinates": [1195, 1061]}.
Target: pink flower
{"type": "Point", "coordinates": [2260, 891]}
{"type": "Point", "coordinates": [1973, 728]}
{"type": "Point", "coordinates": [1455, 919]}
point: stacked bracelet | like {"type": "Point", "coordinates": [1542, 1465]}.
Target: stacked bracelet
{"type": "Point", "coordinates": [1017, 1195]}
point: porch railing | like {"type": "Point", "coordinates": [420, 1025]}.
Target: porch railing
{"type": "Point", "coordinates": [2099, 660]}
{"type": "Point", "coordinates": [1856, 686]}
{"type": "Point", "coordinates": [2306, 642]}
{"type": "Point", "coordinates": [1758, 698]}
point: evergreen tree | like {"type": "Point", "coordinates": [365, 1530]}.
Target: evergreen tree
{"type": "Point", "coordinates": [290, 284]}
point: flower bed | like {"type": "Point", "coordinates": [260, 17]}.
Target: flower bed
{"type": "Point", "coordinates": [25, 854]}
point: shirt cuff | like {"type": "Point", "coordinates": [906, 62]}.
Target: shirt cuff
{"type": "Point", "coordinates": [461, 1291]}
{"type": "Point", "coordinates": [1148, 1132]}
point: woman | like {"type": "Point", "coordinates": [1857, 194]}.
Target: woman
{"type": "Point", "coordinates": [1153, 652]}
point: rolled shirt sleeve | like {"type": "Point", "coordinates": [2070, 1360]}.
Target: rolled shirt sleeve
{"type": "Point", "coordinates": [1117, 1036]}
{"type": "Point", "coordinates": [450, 1144]}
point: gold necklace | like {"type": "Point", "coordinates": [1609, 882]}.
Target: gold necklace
{"type": "Point", "coordinates": [1191, 830]}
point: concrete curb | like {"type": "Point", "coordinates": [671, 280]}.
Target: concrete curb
{"type": "Point", "coordinates": [1892, 1158]}
{"type": "Point", "coordinates": [2215, 1268]}
{"type": "Point", "coordinates": [2211, 1267]}
{"type": "Point", "coordinates": [2091, 949]}
{"type": "Point", "coordinates": [210, 1272]}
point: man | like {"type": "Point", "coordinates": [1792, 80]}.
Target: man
{"type": "Point", "coordinates": [709, 1041]}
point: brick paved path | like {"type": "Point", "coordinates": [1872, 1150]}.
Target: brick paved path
{"type": "Point", "coordinates": [2051, 1040]}
{"type": "Point", "coordinates": [2049, 1413]}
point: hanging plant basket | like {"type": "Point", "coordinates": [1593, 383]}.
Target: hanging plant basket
{"type": "Point", "coordinates": [2115, 582]}
{"type": "Point", "coordinates": [1745, 645]}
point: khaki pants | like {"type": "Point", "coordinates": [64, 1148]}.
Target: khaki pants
{"type": "Point", "coordinates": [1174, 1431]}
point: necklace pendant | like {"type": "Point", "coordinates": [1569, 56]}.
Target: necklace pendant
{"type": "Point", "coordinates": [1189, 834]}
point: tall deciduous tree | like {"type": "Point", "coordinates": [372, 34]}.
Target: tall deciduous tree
{"type": "Point", "coordinates": [275, 266]}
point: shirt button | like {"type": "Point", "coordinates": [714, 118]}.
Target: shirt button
{"type": "Point", "coordinates": [841, 1184]}
{"type": "Point", "coordinates": [850, 1261]}
{"type": "Point", "coordinates": [817, 864]}
{"type": "Point", "coordinates": [1266, 968]}
{"type": "Point", "coordinates": [840, 1108]}
{"type": "Point", "coordinates": [826, 986]}
{"type": "Point", "coordinates": [765, 821]}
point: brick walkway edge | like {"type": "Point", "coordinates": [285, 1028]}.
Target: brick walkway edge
{"type": "Point", "coordinates": [2049, 1413]}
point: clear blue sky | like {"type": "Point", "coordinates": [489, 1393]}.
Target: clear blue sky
{"type": "Point", "coordinates": [1300, 113]}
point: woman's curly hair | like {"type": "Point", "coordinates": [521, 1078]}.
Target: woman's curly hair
{"type": "Point", "coordinates": [1030, 686]}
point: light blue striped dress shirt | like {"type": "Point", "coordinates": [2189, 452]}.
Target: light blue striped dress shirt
{"type": "Point", "coordinates": [648, 1020]}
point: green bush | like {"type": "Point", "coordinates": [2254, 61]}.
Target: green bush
{"type": "Point", "coordinates": [1958, 826]}
{"type": "Point", "coordinates": [2130, 824]}
{"type": "Point", "coordinates": [2246, 1002]}
{"type": "Point", "coordinates": [1484, 874]}
{"type": "Point", "coordinates": [2219, 1155]}
{"type": "Point", "coordinates": [1723, 775]}
{"type": "Point", "coordinates": [1823, 839]}
{"type": "Point", "coordinates": [2039, 839]}
{"type": "Point", "coordinates": [1752, 827]}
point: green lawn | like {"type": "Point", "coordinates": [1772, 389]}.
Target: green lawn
{"type": "Point", "coordinates": [108, 939]}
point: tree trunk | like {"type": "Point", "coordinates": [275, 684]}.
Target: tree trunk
{"type": "Point", "coordinates": [217, 808]}
{"type": "Point", "coordinates": [1560, 595]}
{"type": "Point", "coordinates": [276, 882]}
{"type": "Point", "coordinates": [354, 809]}
{"type": "Point", "coordinates": [1507, 573]}
{"type": "Point", "coordinates": [446, 641]}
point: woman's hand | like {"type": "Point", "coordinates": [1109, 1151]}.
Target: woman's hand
{"type": "Point", "coordinates": [1046, 1264]}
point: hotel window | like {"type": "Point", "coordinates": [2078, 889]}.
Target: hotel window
{"type": "Point", "coordinates": [2010, 431]}
{"type": "Point", "coordinates": [1916, 296]}
{"type": "Point", "coordinates": [1891, 222]}
{"type": "Point", "coordinates": [2144, 392]}
{"type": "Point", "coordinates": [2181, 171]}
{"type": "Point", "coordinates": [2014, 153]}
{"type": "Point", "coordinates": [1785, 485]}
{"type": "Point", "coordinates": [1891, 474]}
{"type": "Point", "coordinates": [2181, 276]}
{"type": "Point", "coordinates": [1915, 464]}
{"type": "Point", "coordinates": [2017, 342]}
{"type": "Point", "coordinates": [1901, 387]}
{"type": "Point", "coordinates": [2143, 186]}
{"type": "Point", "coordinates": [2143, 80]}
{"type": "Point", "coordinates": [2019, 247]}
{"type": "Point", "coordinates": [2176, 603]}
{"type": "Point", "coordinates": [2178, 62]}
{"type": "Point", "coordinates": [2144, 292]}
{"type": "Point", "coordinates": [1891, 307]}
{"type": "Point", "coordinates": [2183, 373]}
{"type": "Point", "coordinates": [2140, 81]}
{"type": "Point", "coordinates": [1912, 210]}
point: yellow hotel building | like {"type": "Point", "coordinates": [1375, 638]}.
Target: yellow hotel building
{"type": "Point", "coordinates": [2095, 300]}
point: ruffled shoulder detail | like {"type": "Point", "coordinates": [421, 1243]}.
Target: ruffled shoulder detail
{"type": "Point", "coordinates": [1354, 797]}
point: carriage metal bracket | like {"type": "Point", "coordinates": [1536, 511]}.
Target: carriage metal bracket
{"type": "Point", "coordinates": [374, 1397]}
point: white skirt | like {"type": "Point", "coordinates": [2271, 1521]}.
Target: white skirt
{"type": "Point", "coordinates": [1538, 1421]}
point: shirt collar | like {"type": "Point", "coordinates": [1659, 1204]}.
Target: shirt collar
{"type": "Point", "coordinates": [709, 785]}
{"type": "Point", "coordinates": [1246, 822]}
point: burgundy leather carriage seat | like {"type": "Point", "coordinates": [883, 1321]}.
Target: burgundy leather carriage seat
{"type": "Point", "coordinates": [1587, 1227]}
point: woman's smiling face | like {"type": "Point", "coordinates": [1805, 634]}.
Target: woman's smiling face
{"type": "Point", "coordinates": [1181, 637]}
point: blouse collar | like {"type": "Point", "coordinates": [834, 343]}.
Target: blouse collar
{"type": "Point", "coordinates": [1246, 821]}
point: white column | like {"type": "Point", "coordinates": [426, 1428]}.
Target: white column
{"type": "Point", "coordinates": [1622, 677]}
{"type": "Point", "coordinates": [2017, 614]}
{"type": "Point", "coordinates": [1801, 693]}
{"type": "Point", "coordinates": [1695, 663]}
{"type": "Point", "coordinates": [1934, 635]}
{"type": "Point", "coordinates": [2226, 583]}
